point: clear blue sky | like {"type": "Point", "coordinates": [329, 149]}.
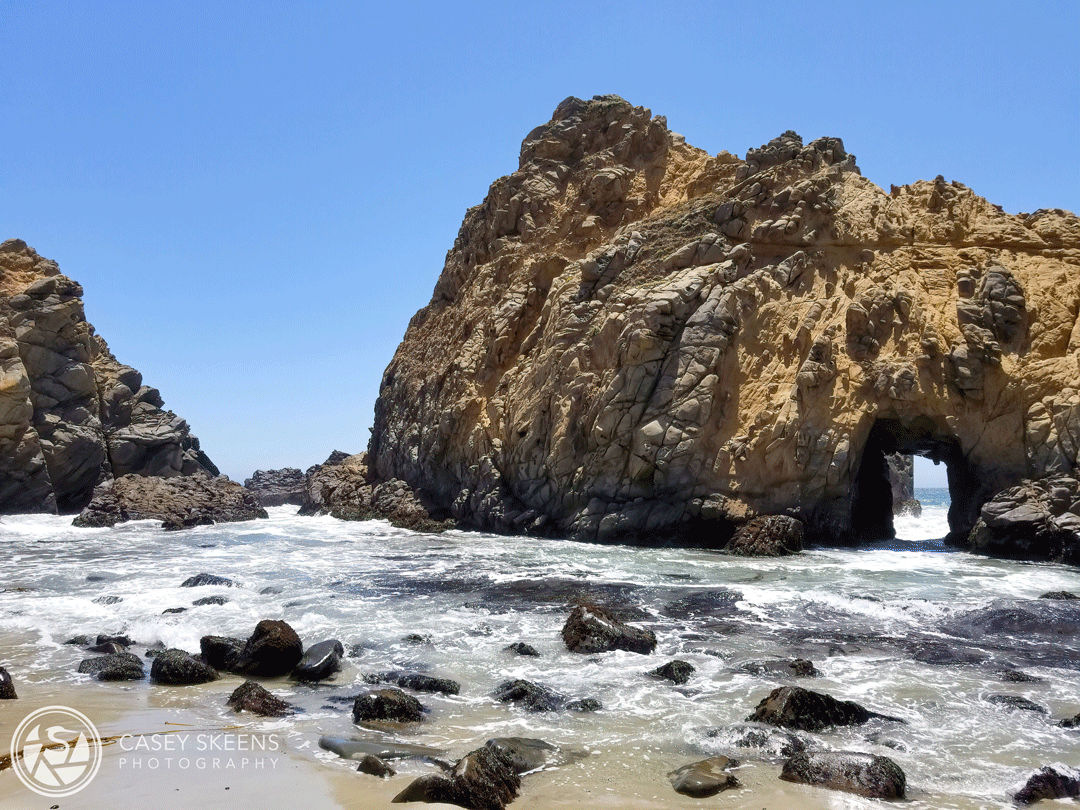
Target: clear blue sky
{"type": "Point", "coordinates": [257, 196]}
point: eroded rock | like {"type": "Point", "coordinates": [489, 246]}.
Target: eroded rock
{"type": "Point", "coordinates": [7, 686]}
{"type": "Point", "coordinates": [864, 774]}
{"type": "Point", "coordinates": [803, 710]}
{"type": "Point", "coordinates": [387, 704]}
{"type": "Point", "coordinates": [251, 697]}
{"type": "Point", "coordinates": [115, 666]}
{"type": "Point", "coordinates": [178, 668]}
{"type": "Point", "coordinates": [705, 778]}
{"type": "Point", "coordinates": [593, 629]}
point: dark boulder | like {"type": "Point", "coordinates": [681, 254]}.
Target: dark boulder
{"type": "Point", "coordinates": [251, 697]}
{"type": "Point", "coordinates": [1029, 620]}
{"type": "Point", "coordinates": [1016, 703]}
{"type": "Point", "coordinates": [530, 696]}
{"type": "Point", "coordinates": [374, 766]}
{"type": "Point", "coordinates": [222, 652]}
{"type": "Point", "coordinates": [320, 661]}
{"type": "Point", "coordinates": [174, 610]}
{"type": "Point", "coordinates": [277, 487]}
{"type": "Point", "coordinates": [863, 774]}
{"type": "Point", "coordinates": [1017, 676]}
{"type": "Point", "coordinates": [387, 704]}
{"type": "Point", "coordinates": [767, 536]}
{"type": "Point", "coordinates": [796, 668]}
{"type": "Point", "coordinates": [521, 648]}
{"type": "Point", "coordinates": [705, 778]}
{"type": "Point", "coordinates": [273, 649]}
{"type": "Point", "coordinates": [7, 686]}
{"type": "Point", "coordinates": [1071, 722]}
{"type": "Point", "coordinates": [1049, 783]}
{"type": "Point", "coordinates": [678, 672]}
{"type": "Point", "coordinates": [119, 666]}
{"type": "Point", "coordinates": [483, 779]}
{"type": "Point", "coordinates": [107, 647]}
{"type": "Point", "coordinates": [108, 600]}
{"type": "Point", "coordinates": [178, 668]}
{"type": "Point", "coordinates": [592, 629]}
{"type": "Point", "coordinates": [524, 754]}
{"type": "Point", "coordinates": [800, 709]}
{"type": "Point", "coordinates": [199, 580]}
{"type": "Point", "coordinates": [416, 682]}
{"type": "Point", "coordinates": [1061, 596]}
{"type": "Point", "coordinates": [123, 641]}
{"type": "Point", "coordinates": [585, 705]}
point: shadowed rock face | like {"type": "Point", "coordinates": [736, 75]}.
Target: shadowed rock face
{"type": "Point", "coordinates": [71, 415]}
{"type": "Point", "coordinates": [634, 340]}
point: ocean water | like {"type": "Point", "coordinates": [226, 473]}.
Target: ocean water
{"type": "Point", "coordinates": [907, 630]}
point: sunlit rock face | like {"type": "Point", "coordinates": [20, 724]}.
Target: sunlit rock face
{"type": "Point", "coordinates": [632, 340]}
{"type": "Point", "coordinates": [71, 415]}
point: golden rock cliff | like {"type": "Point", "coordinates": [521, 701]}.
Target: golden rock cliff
{"type": "Point", "coordinates": [634, 340]}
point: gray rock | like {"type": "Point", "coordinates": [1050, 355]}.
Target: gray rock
{"type": "Point", "coordinates": [863, 774]}
{"type": "Point", "coordinates": [770, 536]}
{"type": "Point", "coordinates": [210, 600]}
{"type": "Point", "coordinates": [593, 629]}
{"type": "Point", "coordinates": [351, 748]}
{"type": "Point", "coordinates": [1017, 703]}
{"type": "Point", "coordinates": [117, 666]}
{"type": "Point", "coordinates": [320, 661]}
{"type": "Point", "coordinates": [705, 778]}
{"type": "Point", "coordinates": [796, 668]}
{"type": "Point", "coordinates": [180, 502]}
{"type": "Point", "coordinates": [178, 668]}
{"type": "Point", "coordinates": [277, 487]}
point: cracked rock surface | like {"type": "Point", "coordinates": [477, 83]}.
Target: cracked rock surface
{"type": "Point", "coordinates": [632, 340]}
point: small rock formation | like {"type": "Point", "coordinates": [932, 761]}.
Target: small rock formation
{"type": "Point", "coordinates": [415, 681]}
{"type": "Point", "coordinates": [705, 778]}
{"type": "Point", "coordinates": [387, 704]}
{"type": "Point", "coordinates": [222, 652]}
{"type": "Point", "coordinates": [678, 672]}
{"type": "Point", "coordinates": [374, 766]}
{"type": "Point", "coordinates": [592, 629]}
{"type": "Point", "coordinates": [180, 502]}
{"type": "Point", "coordinates": [1016, 703]}
{"type": "Point", "coordinates": [116, 666]}
{"type": "Point", "coordinates": [902, 481]}
{"type": "Point", "coordinates": [483, 779]}
{"type": "Point", "coordinates": [524, 754]}
{"type": "Point", "coordinates": [632, 340]}
{"type": "Point", "coordinates": [176, 667]}
{"type": "Point", "coordinates": [251, 697]}
{"type": "Point", "coordinates": [769, 536]}
{"type": "Point", "coordinates": [320, 661]}
{"type": "Point", "coordinates": [199, 580]}
{"type": "Point", "coordinates": [796, 668]}
{"type": "Point", "coordinates": [800, 709]}
{"type": "Point", "coordinates": [7, 686]}
{"type": "Point", "coordinates": [867, 775]}
{"type": "Point", "coordinates": [530, 696]}
{"type": "Point", "coordinates": [72, 416]}
{"type": "Point", "coordinates": [1035, 520]}
{"type": "Point", "coordinates": [1049, 783]}
{"type": "Point", "coordinates": [767, 741]}
{"type": "Point", "coordinates": [345, 488]}
{"type": "Point", "coordinates": [277, 487]}
{"type": "Point", "coordinates": [521, 648]}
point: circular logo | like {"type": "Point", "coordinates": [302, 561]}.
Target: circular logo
{"type": "Point", "coordinates": [61, 751]}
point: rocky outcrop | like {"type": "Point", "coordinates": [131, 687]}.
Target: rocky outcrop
{"type": "Point", "coordinates": [71, 415]}
{"type": "Point", "coordinates": [1036, 520]}
{"type": "Point", "coordinates": [768, 536]}
{"type": "Point", "coordinates": [179, 502]}
{"type": "Point", "coordinates": [592, 629]}
{"type": "Point", "coordinates": [800, 709]}
{"type": "Point", "coordinates": [344, 487]}
{"type": "Point", "coordinates": [864, 774]}
{"type": "Point", "coordinates": [633, 340]}
{"type": "Point", "coordinates": [277, 487]}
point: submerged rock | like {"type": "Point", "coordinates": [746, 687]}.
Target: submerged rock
{"type": "Point", "coordinates": [1016, 703]}
{"type": "Point", "coordinates": [705, 778]}
{"type": "Point", "coordinates": [524, 754]}
{"type": "Point", "coordinates": [7, 686]}
{"type": "Point", "coordinates": [593, 629]}
{"type": "Point", "coordinates": [521, 648]}
{"type": "Point", "coordinates": [678, 672]}
{"type": "Point", "coordinates": [800, 709]}
{"type": "Point", "coordinates": [864, 774]}
{"type": "Point", "coordinates": [416, 682]}
{"type": "Point", "coordinates": [200, 580]}
{"type": "Point", "coordinates": [351, 748]}
{"type": "Point", "coordinates": [531, 696]}
{"type": "Point", "coordinates": [768, 741]}
{"type": "Point", "coordinates": [176, 667]}
{"type": "Point", "coordinates": [797, 668]}
{"type": "Point", "coordinates": [1049, 783]}
{"type": "Point", "coordinates": [320, 661]}
{"type": "Point", "coordinates": [251, 697]}
{"type": "Point", "coordinates": [117, 666]}
{"type": "Point", "coordinates": [387, 704]}
{"type": "Point", "coordinates": [769, 536]}
{"type": "Point", "coordinates": [210, 600]}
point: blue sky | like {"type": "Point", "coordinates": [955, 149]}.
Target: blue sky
{"type": "Point", "coordinates": [258, 196]}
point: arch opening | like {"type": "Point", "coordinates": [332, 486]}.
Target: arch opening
{"type": "Point", "coordinates": [872, 494]}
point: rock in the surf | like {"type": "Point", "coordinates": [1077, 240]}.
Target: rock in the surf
{"type": "Point", "coordinates": [483, 779]}
{"type": "Point", "coordinates": [593, 629]}
{"type": "Point", "coordinates": [800, 709]}
{"type": "Point", "coordinates": [117, 666]}
{"type": "Point", "coordinates": [678, 672]}
{"type": "Point", "coordinates": [531, 696]}
{"type": "Point", "coordinates": [415, 681]}
{"type": "Point", "coordinates": [705, 778]}
{"type": "Point", "coordinates": [7, 686]}
{"type": "Point", "coordinates": [1049, 783]}
{"type": "Point", "coordinates": [320, 661]}
{"type": "Point", "coordinates": [251, 697]}
{"type": "Point", "coordinates": [767, 536]}
{"type": "Point", "coordinates": [222, 652]}
{"type": "Point", "coordinates": [387, 704]}
{"type": "Point", "coordinates": [273, 649]}
{"type": "Point", "coordinates": [867, 775]}
{"type": "Point", "coordinates": [178, 668]}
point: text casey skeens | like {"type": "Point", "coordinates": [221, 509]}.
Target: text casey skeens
{"type": "Point", "coordinates": [198, 744]}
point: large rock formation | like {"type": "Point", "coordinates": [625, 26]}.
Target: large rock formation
{"type": "Point", "coordinates": [631, 338]}
{"type": "Point", "coordinates": [71, 415]}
